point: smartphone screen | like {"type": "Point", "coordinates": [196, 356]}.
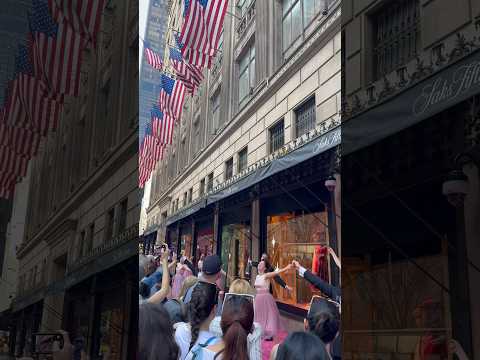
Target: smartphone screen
{"type": "Point", "coordinates": [47, 343]}
{"type": "Point", "coordinates": [248, 297]}
{"type": "Point", "coordinates": [319, 302]}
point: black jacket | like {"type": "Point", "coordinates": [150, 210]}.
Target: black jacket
{"type": "Point", "coordinates": [277, 278]}
{"type": "Point", "coordinates": [333, 292]}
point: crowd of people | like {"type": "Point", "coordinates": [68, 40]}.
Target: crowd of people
{"type": "Point", "coordinates": [185, 315]}
{"type": "Point", "coordinates": [197, 319]}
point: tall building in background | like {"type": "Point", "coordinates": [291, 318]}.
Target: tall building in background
{"type": "Point", "coordinates": [78, 255]}
{"type": "Point", "coordinates": [13, 29]}
{"type": "Point", "coordinates": [155, 30]}
{"type": "Point", "coordinates": [156, 26]}
{"type": "Point", "coordinates": [250, 156]}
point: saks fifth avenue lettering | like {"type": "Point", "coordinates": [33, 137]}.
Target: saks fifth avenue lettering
{"type": "Point", "coordinates": [446, 89]}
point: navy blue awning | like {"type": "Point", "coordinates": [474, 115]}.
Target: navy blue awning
{"type": "Point", "coordinates": [303, 153]}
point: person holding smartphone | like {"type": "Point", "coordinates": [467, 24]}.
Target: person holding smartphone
{"type": "Point", "coordinates": [240, 287]}
{"type": "Point", "coordinates": [237, 324]}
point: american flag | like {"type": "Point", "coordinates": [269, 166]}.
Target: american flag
{"type": "Point", "coordinates": [194, 57]}
{"type": "Point", "coordinates": [57, 51]}
{"type": "Point", "coordinates": [150, 153]}
{"type": "Point", "coordinates": [202, 28]}
{"type": "Point", "coordinates": [20, 140]}
{"type": "Point", "coordinates": [6, 193]}
{"type": "Point", "coordinates": [11, 163]}
{"type": "Point", "coordinates": [84, 16]}
{"type": "Point", "coordinates": [32, 96]}
{"type": "Point", "coordinates": [153, 58]}
{"type": "Point", "coordinates": [162, 125]}
{"type": "Point", "coordinates": [172, 96]}
{"type": "Point", "coordinates": [7, 181]}
{"type": "Point", "coordinates": [191, 75]}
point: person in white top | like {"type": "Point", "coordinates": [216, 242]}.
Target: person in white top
{"type": "Point", "coordinates": [202, 307]}
{"type": "Point", "coordinates": [266, 311]}
{"type": "Point", "coordinates": [254, 338]}
{"type": "Point", "coordinates": [236, 324]}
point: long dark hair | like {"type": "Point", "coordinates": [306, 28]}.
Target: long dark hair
{"type": "Point", "coordinates": [153, 324]}
{"type": "Point", "coordinates": [204, 299]}
{"type": "Point", "coordinates": [324, 321]}
{"type": "Point", "coordinates": [302, 346]}
{"type": "Point", "coordinates": [236, 324]}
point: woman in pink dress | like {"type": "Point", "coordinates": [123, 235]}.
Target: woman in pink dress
{"type": "Point", "coordinates": [181, 273]}
{"type": "Point", "coordinates": [266, 311]}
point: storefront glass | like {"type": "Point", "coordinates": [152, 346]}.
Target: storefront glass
{"type": "Point", "coordinates": [186, 242]}
{"type": "Point", "coordinates": [236, 250]}
{"type": "Point", "coordinates": [111, 326]}
{"type": "Point", "coordinates": [79, 319]}
{"type": "Point", "coordinates": [206, 244]}
{"type": "Point", "coordinates": [303, 237]}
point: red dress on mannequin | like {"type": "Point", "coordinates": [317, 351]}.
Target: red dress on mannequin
{"type": "Point", "coordinates": [319, 263]}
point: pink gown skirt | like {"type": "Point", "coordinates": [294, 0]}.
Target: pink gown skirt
{"type": "Point", "coordinates": [267, 314]}
{"type": "Point", "coordinates": [177, 285]}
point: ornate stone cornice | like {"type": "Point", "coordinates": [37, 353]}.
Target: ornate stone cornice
{"type": "Point", "coordinates": [453, 49]}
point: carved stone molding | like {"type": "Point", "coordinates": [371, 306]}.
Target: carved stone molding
{"type": "Point", "coordinates": [442, 54]}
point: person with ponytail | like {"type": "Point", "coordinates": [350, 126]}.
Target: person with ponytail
{"type": "Point", "coordinates": [254, 339]}
{"type": "Point", "coordinates": [323, 320]}
{"type": "Point", "coordinates": [202, 307]}
{"type": "Point", "coordinates": [301, 346]}
{"type": "Point", "coordinates": [237, 324]}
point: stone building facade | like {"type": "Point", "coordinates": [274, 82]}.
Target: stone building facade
{"type": "Point", "coordinates": [77, 259]}
{"type": "Point", "coordinates": [274, 88]}
{"type": "Point", "coordinates": [410, 108]}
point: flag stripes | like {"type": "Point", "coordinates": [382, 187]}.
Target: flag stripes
{"type": "Point", "coordinates": [172, 96]}
{"type": "Point", "coordinates": [84, 16]}
{"type": "Point", "coordinates": [153, 58]}
{"type": "Point", "coordinates": [57, 51]}
{"type": "Point", "coordinates": [202, 29]}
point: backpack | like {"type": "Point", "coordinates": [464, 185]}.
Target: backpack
{"type": "Point", "coordinates": [197, 349]}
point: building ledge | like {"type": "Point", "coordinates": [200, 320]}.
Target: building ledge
{"type": "Point", "coordinates": [110, 164]}
{"type": "Point", "coordinates": [262, 92]}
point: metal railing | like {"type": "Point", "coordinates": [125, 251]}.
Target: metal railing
{"type": "Point", "coordinates": [129, 234]}
{"type": "Point", "coordinates": [396, 39]}
{"type": "Point", "coordinates": [246, 19]}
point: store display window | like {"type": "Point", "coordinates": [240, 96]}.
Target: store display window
{"type": "Point", "coordinates": [186, 242]}
{"type": "Point", "coordinates": [111, 326]}
{"type": "Point", "coordinates": [236, 250]}
{"type": "Point", "coordinates": [206, 244]}
{"type": "Point", "coordinates": [303, 237]}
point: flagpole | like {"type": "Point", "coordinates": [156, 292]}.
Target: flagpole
{"type": "Point", "coordinates": [233, 15]}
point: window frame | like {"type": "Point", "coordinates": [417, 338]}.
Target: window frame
{"type": "Point", "coordinates": [210, 183]}
{"type": "Point", "coordinates": [248, 69]}
{"type": "Point", "coordinates": [110, 215]}
{"type": "Point", "coordinates": [270, 131]}
{"type": "Point", "coordinates": [301, 107]}
{"type": "Point", "coordinates": [305, 24]}
{"type": "Point", "coordinates": [239, 162]}
{"type": "Point", "coordinates": [215, 106]}
{"type": "Point", "coordinates": [201, 189]}
{"type": "Point", "coordinates": [229, 169]}
{"type": "Point", "coordinates": [401, 59]}
{"type": "Point", "coordinates": [122, 216]}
